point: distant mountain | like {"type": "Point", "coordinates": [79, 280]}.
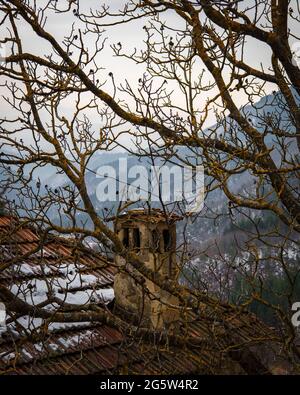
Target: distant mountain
{"type": "Point", "coordinates": [216, 203]}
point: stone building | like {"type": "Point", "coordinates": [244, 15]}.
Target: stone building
{"type": "Point", "coordinates": [43, 281]}
{"type": "Point", "coordinates": [153, 237]}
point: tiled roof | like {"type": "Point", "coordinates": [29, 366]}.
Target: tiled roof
{"type": "Point", "coordinates": [29, 345]}
{"type": "Point", "coordinates": [98, 349]}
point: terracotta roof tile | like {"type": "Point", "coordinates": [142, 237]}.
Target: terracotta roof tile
{"type": "Point", "coordinates": [92, 348]}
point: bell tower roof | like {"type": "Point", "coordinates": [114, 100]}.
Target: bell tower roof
{"type": "Point", "coordinates": [153, 215]}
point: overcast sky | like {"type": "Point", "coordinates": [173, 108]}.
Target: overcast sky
{"type": "Point", "coordinates": [131, 35]}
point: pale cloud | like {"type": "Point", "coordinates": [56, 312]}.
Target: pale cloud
{"type": "Point", "coordinates": [132, 36]}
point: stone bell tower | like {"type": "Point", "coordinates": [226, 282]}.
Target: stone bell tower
{"type": "Point", "coordinates": [152, 236]}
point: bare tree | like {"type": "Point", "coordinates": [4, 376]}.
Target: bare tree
{"type": "Point", "coordinates": [197, 66]}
